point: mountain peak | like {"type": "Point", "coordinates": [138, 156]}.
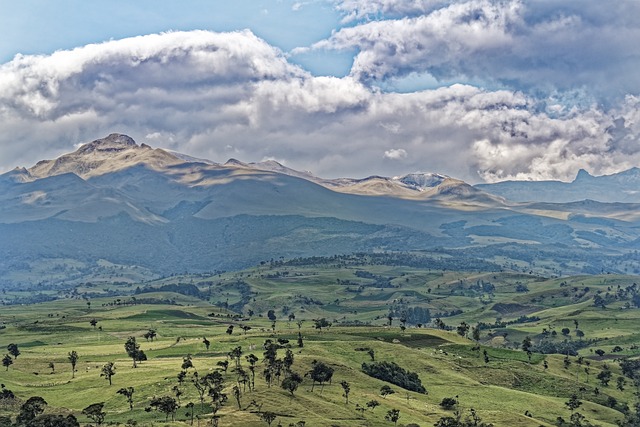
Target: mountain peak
{"type": "Point", "coordinates": [421, 180]}
{"type": "Point", "coordinates": [235, 162]}
{"type": "Point", "coordinates": [113, 142]}
{"type": "Point", "coordinates": [582, 175]}
{"type": "Point", "coordinates": [114, 152]}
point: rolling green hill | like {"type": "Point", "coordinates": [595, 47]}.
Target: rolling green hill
{"type": "Point", "coordinates": [378, 310]}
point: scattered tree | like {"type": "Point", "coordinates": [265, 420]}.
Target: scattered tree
{"type": "Point", "coordinates": [320, 373]}
{"type": "Point", "coordinates": [448, 403]}
{"type": "Point", "coordinates": [150, 335]}
{"type": "Point", "coordinates": [373, 404]}
{"type": "Point", "coordinates": [108, 371]}
{"type": "Point", "coordinates": [224, 364]}
{"type": "Point", "coordinates": [73, 359]}
{"type": "Point", "coordinates": [237, 394]}
{"type": "Point", "coordinates": [372, 354]}
{"type": "Point", "coordinates": [604, 376]}
{"type": "Point", "coordinates": [300, 342]}
{"type": "Point", "coordinates": [321, 323]}
{"type": "Point", "coordinates": [393, 415]}
{"type": "Point", "coordinates": [573, 403]}
{"type": "Point", "coordinates": [166, 405]}
{"type": "Point", "coordinates": [346, 388]}
{"type": "Point", "coordinates": [13, 350]}
{"type": "Point", "coordinates": [385, 390]}
{"type": "Point", "coordinates": [462, 329]}
{"type": "Point", "coordinates": [95, 412]}
{"type": "Point", "coordinates": [291, 382]}
{"type": "Point", "coordinates": [475, 333]}
{"type": "Point", "coordinates": [187, 362]}
{"type": "Point", "coordinates": [268, 417]}
{"type": "Point", "coordinates": [128, 393]}
{"type": "Point", "coordinates": [7, 361]}
{"type": "Point", "coordinates": [133, 351]}
{"type": "Point", "coordinates": [30, 409]}
{"type": "Point", "coordinates": [189, 407]}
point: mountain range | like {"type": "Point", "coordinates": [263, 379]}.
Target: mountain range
{"type": "Point", "coordinates": [114, 202]}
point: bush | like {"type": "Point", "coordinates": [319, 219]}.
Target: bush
{"type": "Point", "coordinates": [394, 374]}
{"type": "Point", "coordinates": [448, 403]}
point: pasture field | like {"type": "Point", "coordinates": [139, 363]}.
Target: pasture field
{"type": "Point", "coordinates": [367, 308]}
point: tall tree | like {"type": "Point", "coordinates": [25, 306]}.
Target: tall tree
{"type": "Point", "coordinates": [321, 323]}
{"type": "Point", "coordinates": [287, 362]}
{"type": "Point", "coordinates": [30, 409]}
{"type": "Point", "coordinates": [206, 343]}
{"type": "Point", "coordinates": [300, 342]}
{"type": "Point", "coordinates": [224, 364]}
{"type": "Point", "coordinates": [187, 362]}
{"type": "Point", "coordinates": [268, 417]}
{"type": "Point", "coordinates": [128, 393]}
{"type": "Point", "coordinates": [373, 404]}
{"type": "Point", "coordinates": [7, 361]}
{"type": "Point", "coordinates": [166, 405]}
{"type": "Point", "coordinates": [73, 359]}
{"type": "Point", "coordinates": [95, 412]}
{"type": "Point", "coordinates": [237, 394]}
{"type": "Point", "coordinates": [13, 350]}
{"type": "Point", "coordinates": [108, 371]}
{"type": "Point", "coordinates": [215, 383]}
{"type": "Point", "coordinates": [291, 382]}
{"type": "Point", "coordinates": [346, 388]}
{"type": "Point", "coordinates": [236, 354]}
{"type": "Point", "coordinates": [189, 407]}
{"type": "Point", "coordinates": [385, 390]}
{"type": "Point", "coordinates": [475, 333]}
{"type": "Point", "coordinates": [573, 403]}
{"type": "Point", "coordinates": [200, 383]}
{"type": "Point", "coordinates": [252, 359]}
{"type": "Point", "coordinates": [133, 350]}
{"type": "Point", "coordinates": [393, 415]}
{"type": "Point", "coordinates": [320, 373]}
{"type": "Point", "coordinates": [150, 334]}
{"type": "Point", "coordinates": [463, 329]}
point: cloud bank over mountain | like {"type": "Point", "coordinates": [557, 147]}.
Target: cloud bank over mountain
{"type": "Point", "coordinates": [522, 91]}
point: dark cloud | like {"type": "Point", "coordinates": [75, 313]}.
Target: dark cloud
{"type": "Point", "coordinates": [540, 46]}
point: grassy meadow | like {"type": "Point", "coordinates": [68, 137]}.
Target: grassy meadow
{"type": "Point", "coordinates": [494, 376]}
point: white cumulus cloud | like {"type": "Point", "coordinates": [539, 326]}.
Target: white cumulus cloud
{"type": "Point", "coordinates": [216, 95]}
{"type": "Point", "coordinates": [395, 154]}
{"type": "Point", "coordinates": [537, 46]}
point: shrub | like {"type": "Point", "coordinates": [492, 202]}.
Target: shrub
{"type": "Point", "coordinates": [394, 374]}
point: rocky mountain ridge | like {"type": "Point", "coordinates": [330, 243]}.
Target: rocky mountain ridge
{"type": "Point", "coordinates": [131, 204]}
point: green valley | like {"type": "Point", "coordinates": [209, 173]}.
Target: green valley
{"type": "Point", "coordinates": [506, 348]}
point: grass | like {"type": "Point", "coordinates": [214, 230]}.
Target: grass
{"type": "Point", "coordinates": [448, 365]}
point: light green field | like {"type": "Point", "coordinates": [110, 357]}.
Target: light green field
{"type": "Point", "coordinates": [501, 390]}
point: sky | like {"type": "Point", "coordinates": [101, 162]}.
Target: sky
{"type": "Point", "coordinates": [481, 90]}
